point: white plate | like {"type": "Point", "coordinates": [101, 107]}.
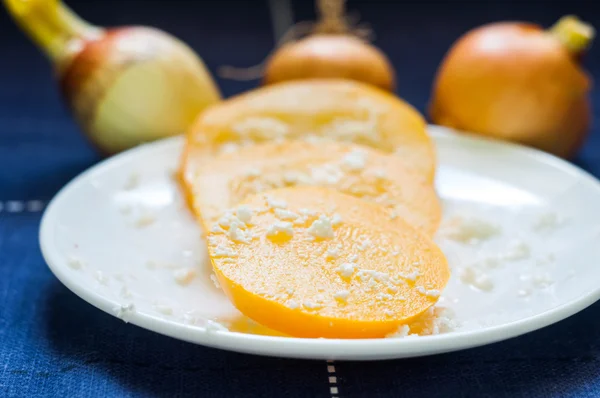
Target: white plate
{"type": "Point", "coordinates": [118, 235]}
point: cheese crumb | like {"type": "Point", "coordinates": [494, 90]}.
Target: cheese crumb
{"type": "Point", "coordinates": [223, 251]}
{"type": "Point", "coordinates": [311, 305]}
{"type": "Point", "coordinates": [237, 234]}
{"type": "Point", "coordinates": [281, 229]}
{"type": "Point", "coordinates": [411, 276]}
{"type": "Point", "coordinates": [336, 220]}
{"type": "Point", "coordinates": [342, 295]}
{"type": "Point", "coordinates": [326, 174]}
{"type": "Point", "coordinates": [469, 230]}
{"type": "Point", "coordinates": [252, 172]}
{"type": "Point", "coordinates": [333, 252]}
{"type": "Point", "coordinates": [275, 203]}
{"type": "Point", "coordinates": [346, 270]}
{"type": "Point", "coordinates": [517, 250]}
{"type": "Point", "coordinates": [163, 309]}
{"type": "Point", "coordinates": [212, 326]}
{"type": "Point", "coordinates": [355, 160]}
{"type": "Point", "coordinates": [321, 228]}
{"type": "Point", "coordinates": [101, 278]}
{"type": "Point", "coordinates": [293, 304]}
{"type": "Point", "coordinates": [434, 293]}
{"type": "Point", "coordinates": [184, 276]}
{"type": "Point", "coordinates": [215, 281]}
{"type": "Point", "coordinates": [548, 222]}
{"type": "Point", "coordinates": [75, 263]}
{"type": "Point", "coordinates": [124, 311]}
{"type": "Point", "coordinates": [364, 244]}
{"type": "Point", "coordinates": [286, 215]}
{"type": "Point", "coordinates": [401, 332]}
{"type": "Point", "coordinates": [471, 276]}
{"type": "Point", "coordinates": [217, 229]}
{"type": "Point", "coordinates": [244, 213]}
{"type": "Point", "coordinates": [145, 221]}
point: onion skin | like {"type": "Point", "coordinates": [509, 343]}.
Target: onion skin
{"type": "Point", "coordinates": [331, 56]}
{"type": "Point", "coordinates": [514, 81]}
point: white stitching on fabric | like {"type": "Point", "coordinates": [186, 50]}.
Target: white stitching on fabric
{"type": "Point", "coordinates": [333, 388]}
{"type": "Point", "coordinates": [20, 206]}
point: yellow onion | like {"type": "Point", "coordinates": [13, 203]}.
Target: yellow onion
{"type": "Point", "coordinates": [516, 81]}
{"type": "Point", "coordinates": [125, 85]}
{"type": "Point", "coordinates": [333, 49]}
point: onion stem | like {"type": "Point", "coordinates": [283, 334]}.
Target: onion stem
{"type": "Point", "coordinates": [50, 24]}
{"type": "Point", "coordinates": [574, 34]}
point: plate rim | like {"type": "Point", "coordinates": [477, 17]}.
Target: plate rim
{"type": "Point", "coordinates": [310, 348]}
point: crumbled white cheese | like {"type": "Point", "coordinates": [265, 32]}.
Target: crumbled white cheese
{"type": "Point", "coordinates": [276, 203]}
{"type": "Point", "coordinates": [217, 229]}
{"type": "Point", "coordinates": [244, 213]}
{"type": "Point", "coordinates": [333, 252]}
{"type": "Point", "coordinates": [215, 281]}
{"type": "Point", "coordinates": [469, 230]}
{"type": "Point", "coordinates": [383, 296]}
{"type": "Point", "coordinates": [293, 304]}
{"type": "Point", "coordinates": [393, 215]}
{"type": "Point", "coordinates": [401, 332]}
{"type": "Point", "coordinates": [75, 262]}
{"type": "Point", "coordinates": [286, 215]}
{"type": "Point", "coordinates": [321, 228]}
{"type": "Point", "coordinates": [379, 174]}
{"type": "Point", "coordinates": [224, 251]}
{"type": "Point", "coordinates": [184, 276]}
{"type": "Point", "coordinates": [163, 309]}
{"type": "Point", "coordinates": [260, 127]}
{"type": "Point", "coordinates": [517, 250]}
{"type": "Point", "coordinates": [346, 270]}
{"type": "Point", "coordinates": [353, 258]}
{"type": "Point", "coordinates": [473, 277]}
{"type": "Point", "coordinates": [252, 172]}
{"type": "Point", "coordinates": [145, 220]}
{"type": "Point", "coordinates": [101, 278]}
{"type": "Point", "coordinates": [124, 311]}
{"type": "Point", "coordinates": [326, 174]}
{"type": "Point", "coordinates": [412, 276]}
{"type": "Point", "coordinates": [434, 293]}
{"type": "Point", "coordinates": [548, 221]}
{"type": "Point", "coordinates": [342, 295]}
{"type": "Point", "coordinates": [541, 280]}
{"type": "Point", "coordinates": [281, 228]}
{"type": "Point", "coordinates": [364, 244]}
{"type": "Point", "coordinates": [336, 220]}
{"type": "Point", "coordinates": [212, 326]}
{"type": "Point", "coordinates": [237, 234]}
{"type": "Point", "coordinates": [370, 274]}
{"type": "Point", "coordinates": [311, 305]}
{"type": "Point", "coordinates": [355, 160]}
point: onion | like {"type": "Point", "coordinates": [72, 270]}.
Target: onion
{"type": "Point", "coordinates": [125, 85]}
{"type": "Point", "coordinates": [518, 82]}
{"type": "Point", "coordinates": [333, 49]}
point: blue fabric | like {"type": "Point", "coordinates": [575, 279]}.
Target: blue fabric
{"type": "Point", "coordinates": [54, 344]}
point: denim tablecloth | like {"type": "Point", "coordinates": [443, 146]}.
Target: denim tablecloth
{"type": "Point", "coordinates": [54, 344]}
